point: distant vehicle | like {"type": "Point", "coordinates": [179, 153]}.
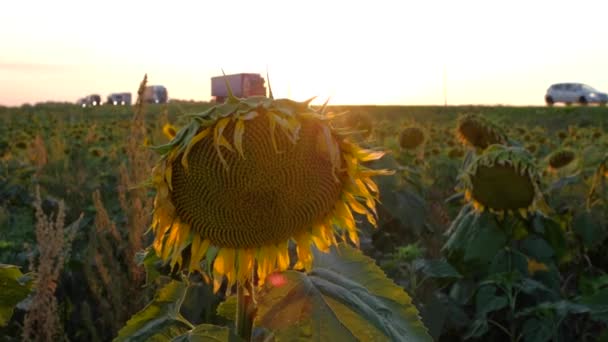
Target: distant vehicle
{"type": "Point", "coordinates": [569, 93]}
{"type": "Point", "coordinates": [155, 94]}
{"type": "Point", "coordinates": [119, 99]}
{"type": "Point", "coordinates": [89, 101]}
{"type": "Point", "coordinates": [242, 85]}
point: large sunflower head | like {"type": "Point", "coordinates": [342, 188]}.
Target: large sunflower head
{"type": "Point", "coordinates": [247, 177]}
{"type": "Point", "coordinates": [475, 130]}
{"type": "Point", "coordinates": [503, 180]}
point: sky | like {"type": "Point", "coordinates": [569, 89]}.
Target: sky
{"type": "Point", "coordinates": [353, 52]}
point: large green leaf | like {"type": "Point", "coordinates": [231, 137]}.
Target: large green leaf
{"type": "Point", "coordinates": [205, 333]}
{"type": "Point", "coordinates": [14, 287]}
{"type": "Point", "coordinates": [160, 320]}
{"type": "Point", "coordinates": [436, 268]}
{"type": "Point", "coordinates": [598, 305]}
{"type": "Point", "coordinates": [346, 297]}
{"type": "Point", "coordinates": [589, 229]}
{"type": "Point", "coordinates": [487, 300]}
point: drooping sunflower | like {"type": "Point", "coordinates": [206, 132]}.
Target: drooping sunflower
{"type": "Point", "coordinates": [475, 130]}
{"type": "Point", "coordinates": [503, 180]}
{"type": "Point", "coordinates": [246, 177]}
{"type": "Point", "coordinates": [411, 138]}
{"type": "Point", "coordinates": [560, 159]}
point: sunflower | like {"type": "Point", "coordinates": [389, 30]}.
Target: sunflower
{"type": "Point", "coordinates": [246, 178]}
{"type": "Point", "coordinates": [475, 130]}
{"type": "Point", "coordinates": [503, 180]}
{"type": "Point", "coordinates": [169, 130]}
{"type": "Point", "coordinates": [411, 137]}
{"type": "Point", "coordinates": [560, 159]}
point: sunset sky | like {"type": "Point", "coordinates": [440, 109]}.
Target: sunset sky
{"type": "Point", "coordinates": [355, 52]}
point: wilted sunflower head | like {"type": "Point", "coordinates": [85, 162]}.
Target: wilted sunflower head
{"type": "Point", "coordinates": [475, 130]}
{"type": "Point", "coordinates": [245, 178]}
{"type": "Point", "coordinates": [503, 180]}
{"type": "Point", "coordinates": [411, 137]}
{"type": "Point", "coordinates": [561, 158]}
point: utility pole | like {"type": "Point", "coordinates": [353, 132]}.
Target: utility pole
{"type": "Point", "coordinates": [445, 87]}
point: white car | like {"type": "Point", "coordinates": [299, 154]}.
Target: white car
{"type": "Point", "coordinates": [569, 93]}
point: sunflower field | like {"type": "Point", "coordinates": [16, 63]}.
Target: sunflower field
{"type": "Point", "coordinates": [273, 220]}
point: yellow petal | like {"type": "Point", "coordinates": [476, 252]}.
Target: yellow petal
{"type": "Point", "coordinates": [368, 155]}
{"type": "Point", "coordinates": [239, 129]}
{"type": "Point", "coordinates": [283, 256]}
{"type": "Point", "coordinates": [194, 140]}
{"type": "Point", "coordinates": [303, 250]}
{"type": "Point", "coordinates": [267, 259]}
{"type": "Point", "coordinates": [198, 250]}
{"type": "Point", "coordinates": [355, 205]}
{"type": "Point", "coordinates": [320, 239]}
{"type": "Point", "coordinates": [223, 265]}
{"type": "Point", "coordinates": [219, 140]}
{"type": "Point", "coordinates": [273, 126]}
{"type": "Point", "coordinates": [245, 264]}
{"type": "Point", "coordinates": [344, 216]}
{"type": "Point", "coordinates": [168, 179]}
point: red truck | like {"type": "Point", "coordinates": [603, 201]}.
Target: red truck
{"type": "Point", "coordinates": [242, 85]}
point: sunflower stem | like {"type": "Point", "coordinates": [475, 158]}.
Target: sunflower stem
{"type": "Point", "coordinates": [245, 310]}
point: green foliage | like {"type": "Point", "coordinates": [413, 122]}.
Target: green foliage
{"type": "Point", "coordinates": [345, 297]}
{"type": "Point", "coordinates": [159, 320]}
{"type": "Point", "coordinates": [459, 266]}
{"type": "Point", "coordinates": [14, 287]}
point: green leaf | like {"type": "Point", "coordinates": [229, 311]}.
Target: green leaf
{"type": "Point", "coordinates": [477, 329]}
{"type": "Point", "coordinates": [487, 301]}
{"type": "Point", "coordinates": [160, 320]}
{"type": "Point", "coordinates": [538, 329]}
{"type": "Point", "coordinates": [553, 234]}
{"type": "Point", "coordinates": [205, 333]}
{"type": "Point", "coordinates": [151, 263]}
{"type": "Point", "coordinates": [407, 207]}
{"type": "Point", "coordinates": [227, 308]}
{"type": "Point", "coordinates": [598, 304]}
{"type": "Point", "coordinates": [346, 297]}
{"type": "Point", "coordinates": [14, 287]}
{"type": "Point", "coordinates": [488, 238]}
{"type": "Point", "coordinates": [460, 230]}
{"type": "Point", "coordinates": [537, 248]}
{"type": "Point", "coordinates": [586, 226]}
{"type": "Point", "coordinates": [561, 308]}
{"type": "Point", "coordinates": [508, 260]}
{"type": "Point", "coordinates": [436, 268]}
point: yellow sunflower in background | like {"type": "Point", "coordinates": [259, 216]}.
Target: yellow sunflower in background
{"type": "Point", "coordinates": [169, 131]}
{"type": "Point", "coordinates": [245, 178]}
{"type": "Point", "coordinates": [504, 180]}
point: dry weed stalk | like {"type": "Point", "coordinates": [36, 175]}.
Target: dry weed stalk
{"type": "Point", "coordinates": [117, 279]}
{"type": "Point", "coordinates": [107, 281]}
{"type": "Point", "coordinates": [91, 136]}
{"type": "Point", "coordinates": [42, 322]}
{"type": "Point", "coordinates": [134, 199]}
